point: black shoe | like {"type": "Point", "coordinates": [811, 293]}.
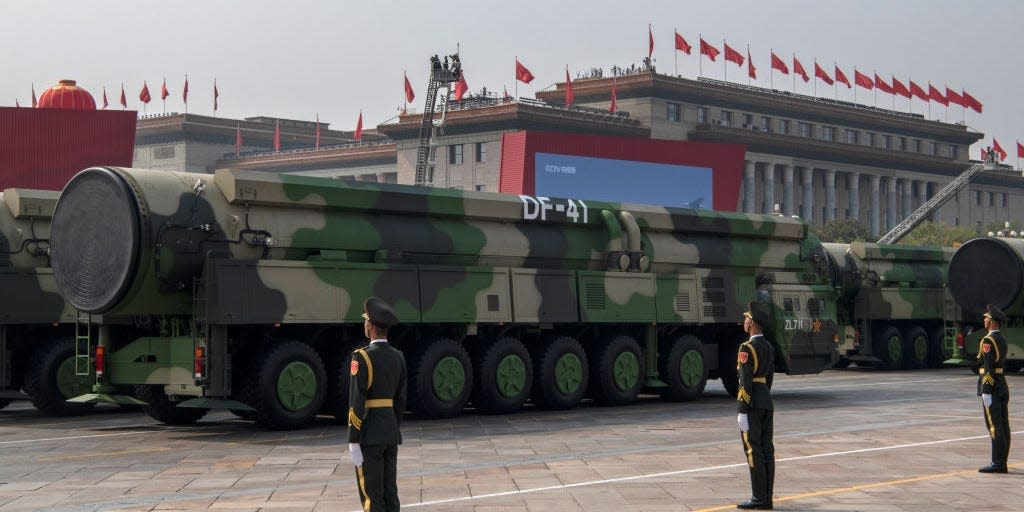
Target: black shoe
{"type": "Point", "coordinates": [755, 504]}
{"type": "Point", "coordinates": [993, 468]}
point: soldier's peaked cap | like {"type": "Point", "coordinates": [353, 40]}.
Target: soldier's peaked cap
{"type": "Point", "coordinates": [760, 312]}
{"type": "Point", "coordinates": [379, 312]}
{"type": "Point", "coordinates": [995, 314]}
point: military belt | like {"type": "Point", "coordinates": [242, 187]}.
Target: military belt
{"type": "Point", "coordinates": [981, 371]}
{"type": "Point", "coordinates": [761, 380]}
{"type": "Point", "coordinates": [375, 403]}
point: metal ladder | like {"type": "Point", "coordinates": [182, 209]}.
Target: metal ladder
{"type": "Point", "coordinates": [932, 205]}
{"type": "Point", "coordinates": [83, 343]}
{"type": "Point", "coordinates": [438, 78]}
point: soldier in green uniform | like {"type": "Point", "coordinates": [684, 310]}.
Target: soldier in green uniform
{"type": "Point", "coordinates": [995, 396]}
{"type": "Point", "coordinates": [755, 361]}
{"type": "Point", "coordinates": [376, 402]}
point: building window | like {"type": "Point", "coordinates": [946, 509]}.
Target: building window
{"type": "Point", "coordinates": [917, 145]}
{"type": "Point", "coordinates": [953, 153]}
{"type": "Point", "coordinates": [784, 126]}
{"type": "Point", "coordinates": [455, 154]}
{"type": "Point", "coordinates": [726, 118]}
{"type": "Point", "coordinates": [163, 153]}
{"type": "Point", "coordinates": [702, 114]}
{"type": "Point", "coordinates": [903, 143]}
{"type": "Point", "coordinates": [935, 149]}
{"type": "Point", "coordinates": [852, 136]}
{"type": "Point", "coordinates": [748, 121]}
{"type": "Point", "coordinates": [481, 188]}
{"type": "Point", "coordinates": [991, 199]}
{"type": "Point", "coordinates": [1003, 199]}
{"type": "Point", "coordinates": [673, 113]}
{"type": "Point", "coordinates": [828, 133]}
{"type": "Point", "coordinates": [766, 124]}
{"type": "Point", "coordinates": [977, 198]}
{"type": "Point", "coordinates": [886, 142]}
{"type": "Point", "coordinates": [805, 129]}
{"type": "Point", "coordinates": [481, 152]}
{"type": "Point", "coordinates": [869, 139]}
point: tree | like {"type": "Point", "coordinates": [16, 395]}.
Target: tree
{"type": "Point", "coordinates": [843, 231]}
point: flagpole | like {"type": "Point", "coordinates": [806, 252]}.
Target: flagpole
{"type": "Point", "coordinates": [794, 74]}
{"type": "Point", "coordinates": [815, 77]}
{"type": "Point", "coordinates": [700, 60]}
{"type": "Point", "coordinates": [164, 98]}
{"type": "Point", "coordinates": [675, 53]}
{"type": "Point", "coordinates": [836, 83]}
{"type": "Point", "coordinates": [854, 84]}
{"type": "Point", "coordinates": [405, 102]}
{"type": "Point", "coordinates": [725, 69]}
{"type": "Point", "coordinates": [876, 89]}
{"type": "Point", "coordinates": [516, 92]}
{"type": "Point", "coordinates": [749, 65]}
{"type": "Point", "coordinates": [771, 70]}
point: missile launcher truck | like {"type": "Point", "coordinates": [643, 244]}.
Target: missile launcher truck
{"type": "Point", "coordinates": [244, 291]}
{"type": "Point", "coordinates": [37, 337]}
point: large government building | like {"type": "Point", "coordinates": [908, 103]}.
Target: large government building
{"type": "Point", "coordinates": [817, 158]}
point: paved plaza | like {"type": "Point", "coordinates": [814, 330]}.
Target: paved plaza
{"type": "Point", "coordinates": [845, 440]}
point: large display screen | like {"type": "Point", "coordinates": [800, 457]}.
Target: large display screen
{"type": "Point", "coordinates": [623, 181]}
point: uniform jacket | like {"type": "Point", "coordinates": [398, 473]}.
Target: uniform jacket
{"type": "Point", "coordinates": [755, 361]}
{"type": "Point", "coordinates": [377, 372]}
{"type": "Point", "coordinates": [992, 356]}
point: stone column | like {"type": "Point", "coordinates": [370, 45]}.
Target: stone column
{"type": "Point", "coordinates": [890, 208]}
{"type": "Point", "coordinates": [908, 203]}
{"type": "Point", "coordinates": [769, 189]}
{"type": "Point", "coordinates": [830, 195]}
{"type": "Point", "coordinates": [854, 185]}
{"type": "Point", "coordinates": [787, 190]}
{"type": "Point", "coordinates": [922, 192]}
{"type": "Point", "coordinates": [748, 187]}
{"type": "Point", "coordinates": [808, 213]}
{"type": "Point", "coordinates": [876, 206]}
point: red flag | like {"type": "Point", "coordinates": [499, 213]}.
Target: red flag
{"type": "Point", "coordinates": [972, 103]}
{"type": "Point", "coordinates": [707, 49]}
{"type": "Point", "coordinates": [751, 70]}
{"type": "Point", "coordinates": [523, 74]}
{"type": "Point", "coordinates": [568, 89]}
{"type": "Point", "coordinates": [650, 42]}
{"type": "Point", "coordinates": [881, 85]}
{"type": "Point", "coordinates": [124, 101]}
{"type": "Point", "coordinates": [184, 92]}
{"type": "Point", "coordinates": [1020, 150]}
{"type": "Point", "coordinates": [917, 91]}
{"type": "Point", "coordinates": [779, 65]}
{"type": "Point", "coordinates": [982, 152]}
{"type": "Point", "coordinates": [318, 131]}
{"type": "Point", "coordinates": [144, 93]}
{"type": "Point", "coordinates": [998, 149]}
{"type": "Point", "coordinates": [841, 77]}
{"type": "Point", "coordinates": [863, 80]}
{"type": "Point", "coordinates": [822, 74]}
{"type": "Point", "coordinates": [215, 95]}
{"type": "Point", "coordinates": [34, 102]}
{"type": "Point", "coordinates": [936, 95]}
{"type": "Point", "coordinates": [798, 69]}
{"type": "Point", "coordinates": [899, 88]}
{"type": "Point", "coordinates": [105, 102]}
{"type": "Point", "coordinates": [732, 55]}
{"type": "Point", "coordinates": [409, 96]}
{"type": "Point", "coordinates": [163, 90]}
{"type": "Point", "coordinates": [277, 135]}
{"type": "Point", "coordinates": [614, 105]}
{"type": "Point", "coordinates": [238, 139]}
{"type": "Point", "coordinates": [682, 45]}
{"type": "Point", "coordinates": [358, 135]}
{"type": "Point", "coordinates": [460, 88]}
{"type": "Point", "coordinates": [505, 97]}
{"type": "Point", "coordinates": [955, 98]}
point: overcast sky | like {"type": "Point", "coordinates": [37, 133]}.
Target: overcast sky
{"type": "Point", "coordinates": [300, 58]}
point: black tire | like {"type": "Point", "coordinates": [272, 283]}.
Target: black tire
{"type": "Point", "coordinates": [50, 379]}
{"type": "Point", "coordinates": [503, 375]}
{"type": "Point", "coordinates": [726, 369]}
{"type": "Point", "coordinates": [842, 362]}
{"type": "Point", "coordinates": [162, 409]}
{"type": "Point", "coordinates": [302, 367]}
{"type": "Point", "coordinates": [339, 361]}
{"type": "Point", "coordinates": [917, 348]}
{"type": "Point", "coordinates": [441, 380]}
{"type": "Point", "coordinates": [618, 371]}
{"type": "Point", "coordinates": [561, 373]}
{"type": "Point", "coordinates": [4, 403]}
{"type": "Point", "coordinates": [684, 370]}
{"type": "Point", "coordinates": [936, 354]}
{"type": "Point", "coordinates": [888, 347]}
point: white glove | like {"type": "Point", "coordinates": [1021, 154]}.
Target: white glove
{"type": "Point", "coordinates": [742, 420]}
{"type": "Point", "coordinates": [986, 399]}
{"type": "Point", "coordinates": [357, 453]}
